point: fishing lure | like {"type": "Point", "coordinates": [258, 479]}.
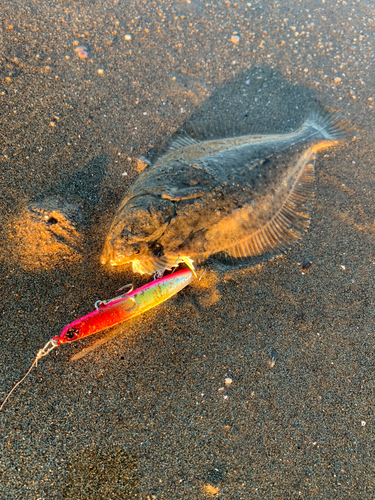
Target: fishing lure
{"type": "Point", "coordinates": [111, 312]}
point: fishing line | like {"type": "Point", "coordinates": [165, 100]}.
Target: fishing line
{"type": "Point", "coordinates": [51, 344]}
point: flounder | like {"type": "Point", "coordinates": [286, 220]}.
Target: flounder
{"type": "Point", "coordinates": [234, 198]}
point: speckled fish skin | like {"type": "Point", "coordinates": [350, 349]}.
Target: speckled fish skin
{"type": "Point", "coordinates": [239, 196]}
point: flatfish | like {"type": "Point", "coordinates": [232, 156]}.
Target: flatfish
{"type": "Point", "coordinates": [234, 198]}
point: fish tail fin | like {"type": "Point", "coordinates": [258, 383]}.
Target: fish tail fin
{"type": "Point", "coordinates": [332, 125]}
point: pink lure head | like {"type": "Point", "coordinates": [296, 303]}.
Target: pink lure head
{"type": "Point", "coordinates": [69, 334]}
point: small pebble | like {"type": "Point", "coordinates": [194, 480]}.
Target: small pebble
{"type": "Point", "coordinates": [81, 52]}
{"type": "Point", "coordinates": [337, 79]}
{"type": "Point", "coordinates": [306, 265]}
{"type": "Point", "coordinates": [228, 381]}
{"type": "Point", "coordinates": [100, 71]}
{"type": "Point", "coordinates": [235, 39]}
{"type": "Point", "coordinates": [128, 37]}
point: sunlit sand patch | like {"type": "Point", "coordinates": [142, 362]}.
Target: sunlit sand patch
{"type": "Point", "coordinates": [187, 86]}
{"type": "Point", "coordinates": [141, 165]}
{"type": "Point", "coordinates": [206, 286]}
{"type": "Point", "coordinates": [46, 234]}
{"type": "Point", "coordinates": [210, 490]}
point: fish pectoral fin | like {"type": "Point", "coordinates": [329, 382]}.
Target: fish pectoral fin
{"type": "Point", "coordinates": [274, 236]}
{"type": "Point", "coordinates": [189, 262]}
{"type": "Point", "coordinates": [154, 264]}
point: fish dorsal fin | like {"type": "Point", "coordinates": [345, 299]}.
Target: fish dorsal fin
{"type": "Point", "coordinates": [276, 235]}
{"type": "Point", "coordinates": [181, 142]}
{"type": "Point", "coordinates": [223, 129]}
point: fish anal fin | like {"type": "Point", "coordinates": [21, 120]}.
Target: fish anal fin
{"type": "Point", "coordinates": [278, 234]}
{"type": "Point", "coordinates": [165, 263]}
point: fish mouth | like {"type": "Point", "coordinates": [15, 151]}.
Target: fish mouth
{"type": "Point", "coordinates": [115, 255]}
{"type": "Point", "coordinates": [148, 265]}
{"type": "Point", "coordinates": [111, 256]}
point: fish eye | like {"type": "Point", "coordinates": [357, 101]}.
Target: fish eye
{"type": "Point", "coordinates": [71, 333]}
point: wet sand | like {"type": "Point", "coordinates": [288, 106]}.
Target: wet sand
{"type": "Point", "coordinates": [147, 414]}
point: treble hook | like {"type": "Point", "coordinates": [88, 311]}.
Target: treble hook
{"type": "Point", "coordinates": [102, 303]}
{"type": "Point", "coordinates": [159, 274]}
{"type": "Point", "coordinates": [131, 288]}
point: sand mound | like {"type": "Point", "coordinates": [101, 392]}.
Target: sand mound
{"type": "Point", "coordinates": [46, 233]}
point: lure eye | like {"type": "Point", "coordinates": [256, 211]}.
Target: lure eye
{"type": "Point", "coordinates": [71, 334]}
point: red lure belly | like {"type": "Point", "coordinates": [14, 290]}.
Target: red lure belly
{"type": "Point", "coordinates": [125, 307]}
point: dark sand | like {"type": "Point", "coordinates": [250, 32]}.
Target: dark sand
{"type": "Point", "coordinates": [143, 415]}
